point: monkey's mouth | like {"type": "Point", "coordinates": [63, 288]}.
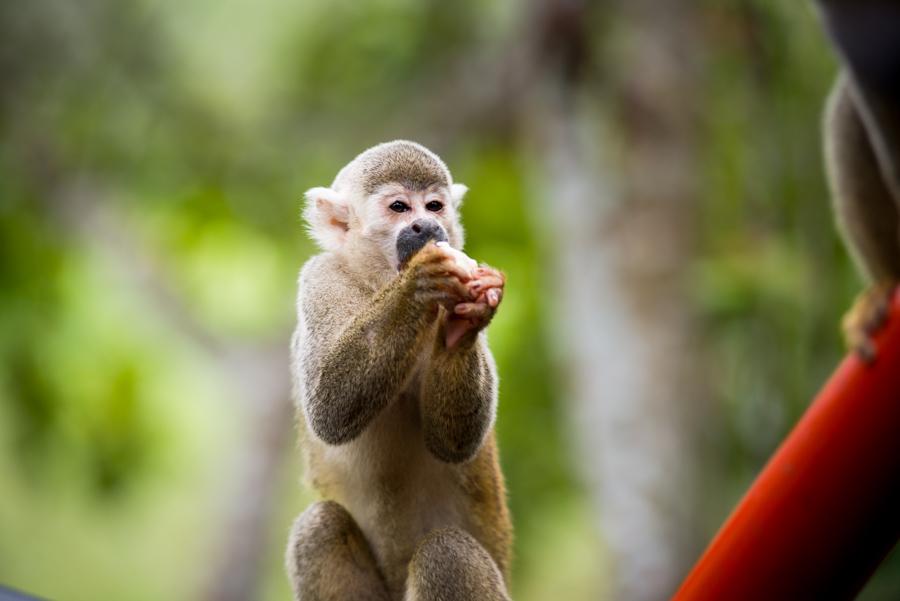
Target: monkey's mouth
{"type": "Point", "coordinates": [412, 239]}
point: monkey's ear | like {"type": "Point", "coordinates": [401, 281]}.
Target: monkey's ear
{"type": "Point", "coordinates": [457, 191]}
{"type": "Point", "coordinates": [327, 216]}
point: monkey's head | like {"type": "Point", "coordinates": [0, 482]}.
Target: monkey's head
{"type": "Point", "coordinates": [386, 204]}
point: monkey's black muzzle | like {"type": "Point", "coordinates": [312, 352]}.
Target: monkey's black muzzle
{"type": "Point", "coordinates": [416, 235]}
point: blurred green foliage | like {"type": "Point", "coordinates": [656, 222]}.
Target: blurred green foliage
{"type": "Point", "coordinates": [171, 142]}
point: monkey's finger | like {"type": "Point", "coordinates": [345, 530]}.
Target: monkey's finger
{"type": "Point", "coordinates": [486, 282]}
{"type": "Point", "coordinates": [450, 285]}
{"type": "Point", "coordinates": [456, 271]}
{"type": "Point", "coordinates": [453, 285]}
{"type": "Point", "coordinates": [490, 297]}
{"type": "Point", "coordinates": [434, 256]}
{"type": "Point", "coordinates": [431, 301]}
{"type": "Point", "coordinates": [474, 311]}
{"type": "Point", "coordinates": [446, 266]}
{"type": "Point", "coordinates": [485, 269]}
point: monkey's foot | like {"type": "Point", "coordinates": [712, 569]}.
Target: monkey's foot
{"type": "Point", "coordinates": [866, 317]}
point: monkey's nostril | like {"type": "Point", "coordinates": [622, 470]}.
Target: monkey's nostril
{"type": "Point", "coordinates": [417, 228]}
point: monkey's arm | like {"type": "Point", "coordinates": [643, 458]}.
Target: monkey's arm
{"type": "Point", "coordinates": [350, 378]}
{"type": "Point", "coordinates": [459, 399]}
{"type": "Point", "coordinates": [459, 390]}
{"type": "Point", "coordinates": [357, 354]}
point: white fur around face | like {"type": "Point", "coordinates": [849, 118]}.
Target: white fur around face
{"type": "Point", "coordinates": [353, 218]}
{"type": "Point", "coordinates": [358, 226]}
{"type": "Point", "coordinates": [457, 192]}
{"type": "Point", "coordinates": [327, 215]}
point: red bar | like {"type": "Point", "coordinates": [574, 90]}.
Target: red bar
{"type": "Point", "coordinates": [825, 510]}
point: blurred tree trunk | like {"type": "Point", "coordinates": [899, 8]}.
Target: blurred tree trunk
{"type": "Point", "coordinates": [622, 231]}
{"type": "Point", "coordinates": [262, 376]}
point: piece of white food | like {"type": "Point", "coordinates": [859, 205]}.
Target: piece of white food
{"type": "Point", "coordinates": [460, 258]}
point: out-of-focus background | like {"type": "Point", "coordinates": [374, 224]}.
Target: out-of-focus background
{"type": "Point", "coordinates": [648, 174]}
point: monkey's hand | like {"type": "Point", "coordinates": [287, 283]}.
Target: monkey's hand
{"type": "Point", "coordinates": [867, 316]}
{"type": "Point", "coordinates": [469, 318]}
{"type": "Point", "coordinates": [436, 280]}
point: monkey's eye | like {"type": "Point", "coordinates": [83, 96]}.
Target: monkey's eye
{"type": "Point", "coordinates": [434, 205]}
{"type": "Point", "coordinates": [399, 207]}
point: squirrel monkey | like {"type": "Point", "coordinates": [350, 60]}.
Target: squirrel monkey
{"type": "Point", "coordinates": [862, 151]}
{"type": "Point", "coordinates": [398, 392]}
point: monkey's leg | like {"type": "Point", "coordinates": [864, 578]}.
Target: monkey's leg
{"type": "Point", "coordinates": [329, 560]}
{"type": "Point", "coordinates": [450, 565]}
{"type": "Point", "coordinates": [867, 215]}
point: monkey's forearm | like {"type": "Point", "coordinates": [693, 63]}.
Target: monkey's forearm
{"type": "Point", "coordinates": [367, 366]}
{"type": "Point", "coordinates": [458, 396]}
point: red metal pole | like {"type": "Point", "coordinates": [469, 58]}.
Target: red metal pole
{"type": "Point", "coordinates": [825, 510]}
